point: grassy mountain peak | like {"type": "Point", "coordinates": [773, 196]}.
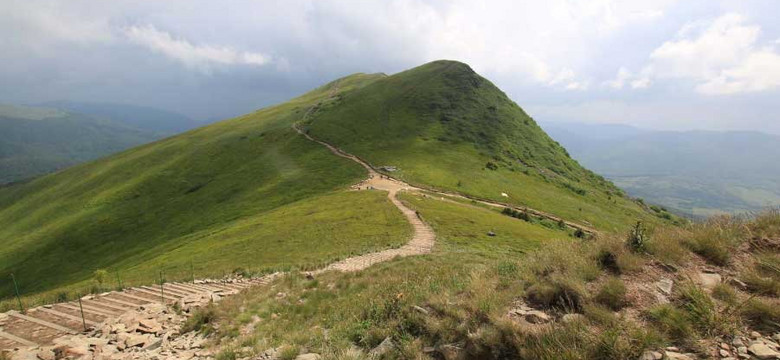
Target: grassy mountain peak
{"type": "Point", "coordinates": [444, 125]}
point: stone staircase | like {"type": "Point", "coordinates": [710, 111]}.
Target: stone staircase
{"type": "Point", "coordinates": [39, 326]}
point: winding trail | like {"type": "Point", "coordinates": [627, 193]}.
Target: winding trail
{"type": "Point", "coordinates": [423, 238]}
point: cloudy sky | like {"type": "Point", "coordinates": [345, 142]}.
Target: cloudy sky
{"type": "Point", "coordinates": [663, 64]}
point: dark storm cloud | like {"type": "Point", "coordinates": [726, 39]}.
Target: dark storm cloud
{"type": "Point", "coordinates": [662, 64]}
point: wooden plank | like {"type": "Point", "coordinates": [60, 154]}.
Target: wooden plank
{"type": "Point", "coordinates": [157, 294]}
{"type": "Point", "coordinates": [139, 298]}
{"type": "Point", "coordinates": [42, 322]}
{"type": "Point", "coordinates": [66, 316]}
{"type": "Point", "coordinates": [221, 286]}
{"type": "Point", "coordinates": [191, 291]}
{"type": "Point", "coordinates": [125, 303]}
{"type": "Point", "coordinates": [175, 291]}
{"type": "Point", "coordinates": [95, 304]}
{"type": "Point", "coordinates": [15, 338]}
{"type": "Point", "coordinates": [206, 287]}
{"type": "Point", "coordinates": [192, 287]}
{"type": "Point", "coordinates": [104, 303]}
{"type": "Point", "coordinates": [88, 309]}
{"type": "Point", "coordinates": [151, 289]}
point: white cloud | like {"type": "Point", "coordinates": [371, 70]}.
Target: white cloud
{"type": "Point", "coordinates": [201, 57]}
{"type": "Point", "coordinates": [721, 56]}
{"type": "Point", "coordinates": [623, 75]}
{"type": "Point", "coordinates": [626, 77]}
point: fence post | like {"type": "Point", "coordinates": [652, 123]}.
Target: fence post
{"type": "Point", "coordinates": [192, 271]}
{"type": "Point", "coordinates": [162, 291]}
{"type": "Point", "coordinates": [83, 321]}
{"type": "Point", "coordinates": [16, 289]}
{"type": "Point", "coordinates": [119, 281]}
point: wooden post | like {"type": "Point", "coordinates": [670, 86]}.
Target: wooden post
{"type": "Point", "coordinates": [192, 271]}
{"type": "Point", "coordinates": [119, 281]}
{"type": "Point", "coordinates": [162, 290]}
{"type": "Point", "coordinates": [16, 289]}
{"type": "Point", "coordinates": [81, 308]}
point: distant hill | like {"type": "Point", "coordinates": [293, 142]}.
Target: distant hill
{"type": "Point", "coordinates": [35, 141]}
{"type": "Point", "coordinates": [252, 191]}
{"type": "Point", "coordinates": [695, 172]}
{"type": "Point", "coordinates": [144, 118]}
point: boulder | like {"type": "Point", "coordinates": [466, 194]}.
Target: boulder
{"type": "Point", "coordinates": [383, 348]}
{"type": "Point", "coordinates": [665, 285]}
{"type": "Point", "coordinates": [762, 351]}
{"type": "Point", "coordinates": [651, 355]}
{"type": "Point", "coordinates": [709, 280]}
{"type": "Point", "coordinates": [310, 356]}
{"type": "Point", "coordinates": [671, 355]}
{"type": "Point", "coordinates": [537, 317]}
{"type": "Point", "coordinates": [137, 340]}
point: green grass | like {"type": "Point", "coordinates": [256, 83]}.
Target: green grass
{"type": "Point", "coordinates": [445, 126]}
{"type": "Point", "coordinates": [247, 192]}
{"type": "Point", "coordinates": [465, 288]}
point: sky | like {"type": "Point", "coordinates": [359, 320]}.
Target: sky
{"type": "Point", "coordinates": [660, 64]}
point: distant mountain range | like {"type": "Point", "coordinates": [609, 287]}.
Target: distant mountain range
{"type": "Point", "coordinates": [698, 173]}
{"type": "Point", "coordinates": [41, 139]}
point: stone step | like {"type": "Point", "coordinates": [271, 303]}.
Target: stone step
{"type": "Point", "coordinates": [42, 322]}
{"type": "Point", "coordinates": [66, 316]}
{"type": "Point", "coordinates": [17, 339]}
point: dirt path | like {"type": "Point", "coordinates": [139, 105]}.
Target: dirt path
{"type": "Point", "coordinates": [423, 237]}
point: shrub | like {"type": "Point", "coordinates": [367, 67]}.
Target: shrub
{"type": "Point", "coordinates": [599, 315]}
{"type": "Point", "coordinates": [491, 166]}
{"type": "Point", "coordinates": [762, 315]}
{"type": "Point", "coordinates": [612, 294]}
{"type": "Point", "coordinates": [100, 277]}
{"type": "Point", "coordinates": [725, 293]}
{"type": "Point", "coordinates": [716, 239]}
{"type": "Point", "coordinates": [613, 256]}
{"type": "Point", "coordinates": [226, 354]}
{"type": "Point", "coordinates": [201, 320]}
{"type": "Point", "coordinates": [637, 237]}
{"type": "Point", "coordinates": [666, 244]}
{"type": "Point", "coordinates": [760, 285]}
{"type": "Point", "coordinates": [558, 293]}
{"type": "Point", "coordinates": [672, 321]}
{"type": "Point", "coordinates": [289, 353]}
{"type": "Point", "coordinates": [702, 314]}
{"type": "Point", "coordinates": [579, 233]}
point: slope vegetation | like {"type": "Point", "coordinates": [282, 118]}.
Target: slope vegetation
{"type": "Point", "coordinates": [248, 192]}
{"type": "Point", "coordinates": [443, 125]}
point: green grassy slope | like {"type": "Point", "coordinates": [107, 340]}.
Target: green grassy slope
{"type": "Point", "coordinates": [244, 192]}
{"type": "Point", "coordinates": [445, 126]}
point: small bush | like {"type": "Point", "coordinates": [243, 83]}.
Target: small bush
{"type": "Point", "coordinates": [716, 239]}
{"type": "Point", "coordinates": [760, 285]}
{"type": "Point", "coordinates": [289, 353]}
{"type": "Point", "coordinates": [100, 277]}
{"type": "Point", "coordinates": [725, 293]}
{"type": "Point", "coordinates": [226, 354]}
{"type": "Point", "coordinates": [766, 224]}
{"type": "Point", "coordinates": [703, 314]}
{"type": "Point", "coordinates": [672, 321]}
{"type": "Point", "coordinates": [491, 166]}
{"type": "Point", "coordinates": [599, 315]}
{"type": "Point", "coordinates": [200, 320]}
{"type": "Point", "coordinates": [762, 315]}
{"type": "Point", "coordinates": [558, 293]}
{"type": "Point", "coordinates": [612, 294]}
{"type": "Point", "coordinates": [579, 233]}
{"type": "Point", "coordinates": [637, 237]}
{"type": "Point", "coordinates": [666, 244]}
